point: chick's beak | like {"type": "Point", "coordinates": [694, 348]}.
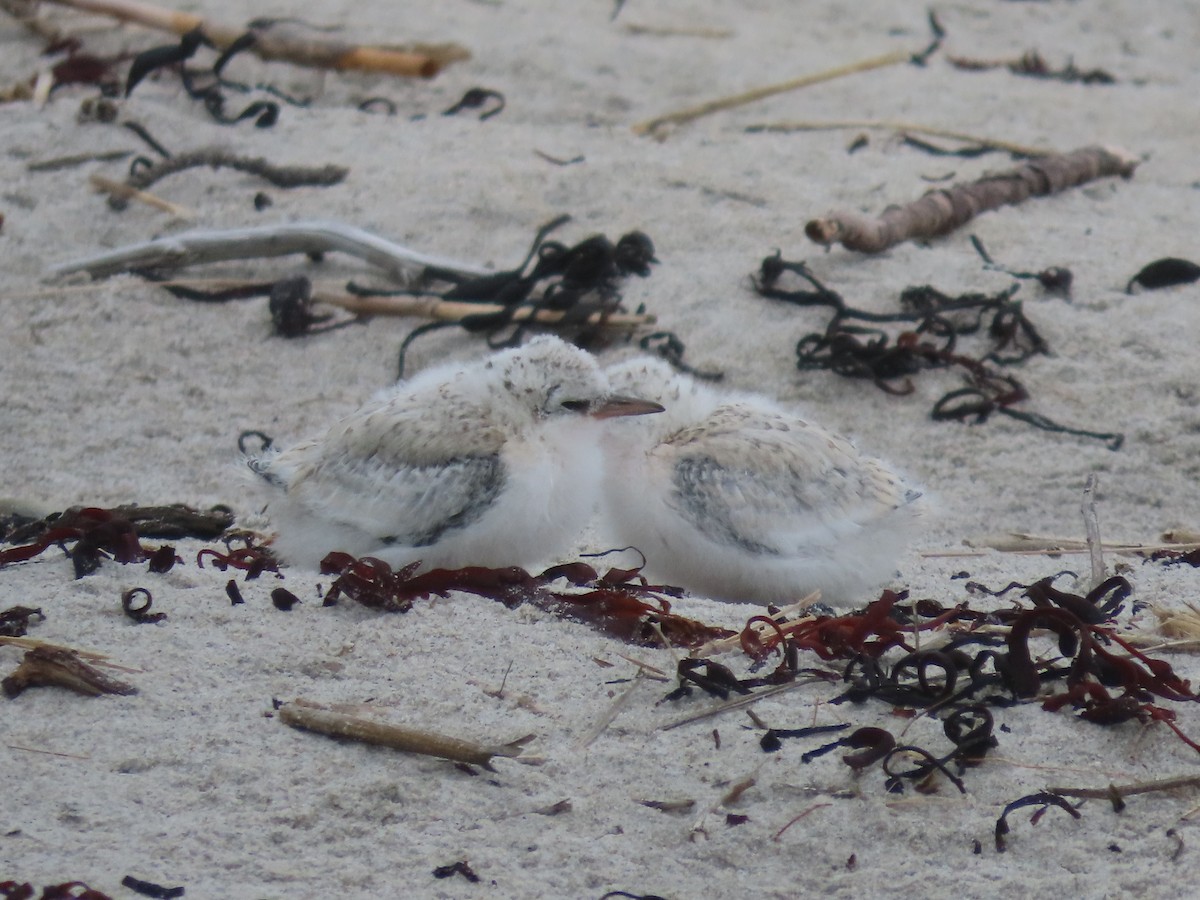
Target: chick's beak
{"type": "Point", "coordinates": [617, 405]}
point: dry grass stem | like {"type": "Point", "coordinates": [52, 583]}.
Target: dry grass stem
{"type": "Point", "coordinates": [900, 128]}
{"type": "Point", "coordinates": [657, 125]}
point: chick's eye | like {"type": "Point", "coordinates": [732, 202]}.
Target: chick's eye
{"type": "Point", "coordinates": [577, 406]}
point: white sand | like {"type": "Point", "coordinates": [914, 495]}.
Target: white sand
{"type": "Point", "coordinates": [116, 392]}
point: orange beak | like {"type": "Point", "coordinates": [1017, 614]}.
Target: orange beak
{"type": "Point", "coordinates": [617, 405]}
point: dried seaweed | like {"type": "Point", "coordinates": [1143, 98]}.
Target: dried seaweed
{"type": "Point", "coordinates": [1167, 272]}
{"type": "Point", "coordinates": [1043, 799]}
{"type": "Point", "coordinates": [1031, 64]}
{"type": "Point", "coordinates": [618, 603]}
{"type": "Point", "coordinates": [578, 282]}
{"type": "Point", "coordinates": [150, 889]}
{"type": "Point", "coordinates": [68, 890]}
{"type": "Point", "coordinates": [15, 621]}
{"type": "Point", "coordinates": [937, 322]}
{"type": "Point", "coordinates": [140, 612]}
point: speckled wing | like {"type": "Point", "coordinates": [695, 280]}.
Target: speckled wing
{"type": "Point", "coordinates": [397, 471]}
{"type": "Point", "coordinates": [773, 484]}
{"type": "Point", "coordinates": [409, 506]}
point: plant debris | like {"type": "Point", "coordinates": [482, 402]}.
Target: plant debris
{"type": "Point", "coordinates": [944, 209]}
{"type": "Point", "coordinates": [150, 889]}
{"type": "Point", "coordinates": [476, 98]}
{"type": "Point", "coordinates": [579, 283]}
{"type": "Point", "coordinates": [68, 890]}
{"type": "Point", "coordinates": [1167, 272]}
{"type": "Point", "coordinates": [938, 321]}
{"type": "Point", "coordinates": [310, 717]}
{"type": "Point", "coordinates": [1043, 799]}
{"type": "Point", "coordinates": [1033, 65]}
{"type": "Point", "coordinates": [143, 176]}
{"type": "Point", "coordinates": [619, 603]}
{"type": "Point", "coordinates": [140, 612]}
{"type": "Point", "coordinates": [15, 621]}
{"type": "Point", "coordinates": [46, 666]}
{"type": "Point", "coordinates": [460, 867]}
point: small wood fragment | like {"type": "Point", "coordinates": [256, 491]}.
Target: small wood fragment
{"type": "Point", "coordinates": [121, 191]}
{"type": "Point", "coordinates": [46, 666]}
{"type": "Point", "coordinates": [942, 210]}
{"type": "Point", "coordinates": [281, 40]}
{"type": "Point", "coordinates": [300, 714]}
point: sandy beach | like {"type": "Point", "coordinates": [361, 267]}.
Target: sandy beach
{"type": "Point", "coordinates": [117, 392]}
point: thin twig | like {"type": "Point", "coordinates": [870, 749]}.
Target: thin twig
{"type": "Point", "coordinates": [216, 158]}
{"type": "Point", "coordinates": [655, 126]}
{"type": "Point", "coordinates": [123, 191]}
{"type": "Point", "coordinates": [280, 40]}
{"type": "Point", "coordinates": [738, 703]}
{"type": "Point", "coordinates": [1091, 524]}
{"type": "Point", "coordinates": [1128, 790]}
{"type": "Point", "coordinates": [611, 713]}
{"type": "Point", "coordinates": [197, 247]}
{"type": "Point", "coordinates": [901, 127]}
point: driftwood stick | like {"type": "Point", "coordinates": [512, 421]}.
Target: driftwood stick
{"type": "Point", "coordinates": [944, 209]}
{"type": "Point", "coordinates": [653, 126]}
{"type": "Point", "coordinates": [280, 176]}
{"type": "Point", "coordinates": [279, 41]}
{"type": "Point", "coordinates": [196, 247]}
{"type": "Point", "coordinates": [1128, 790]}
{"type": "Point", "coordinates": [299, 715]}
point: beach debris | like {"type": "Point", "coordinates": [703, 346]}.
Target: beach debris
{"type": "Point", "coordinates": [476, 98]}
{"type": "Point", "coordinates": [1167, 272]}
{"type": "Point", "coordinates": [580, 282]}
{"type": "Point", "coordinates": [1043, 799]}
{"type": "Point", "coordinates": [459, 867]}
{"type": "Point", "coordinates": [147, 174]}
{"type": "Point", "coordinates": [234, 593]}
{"type": "Point", "coordinates": [938, 320]}
{"type": "Point", "coordinates": [150, 889]}
{"type": "Point", "coordinates": [1054, 279]}
{"type": "Point", "coordinates": [15, 621]}
{"type": "Point", "coordinates": [312, 238]}
{"type": "Point", "coordinates": [112, 533]}
{"type": "Point", "coordinates": [252, 558]}
{"type": "Point", "coordinates": [119, 195]}
{"type": "Point", "coordinates": [1116, 793]}
{"type": "Point", "coordinates": [48, 666]}
{"type": "Point", "coordinates": [942, 210]}
{"type": "Point", "coordinates": [281, 39]}
{"type": "Point", "coordinates": [1032, 64]}
{"type": "Point", "coordinates": [657, 127]}
{"type": "Point", "coordinates": [309, 716]}
{"type": "Point", "coordinates": [903, 129]}
{"type": "Point", "coordinates": [68, 890]}
{"type": "Point", "coordinates": [140, 612]}
{"type": "Point", "coordinates": [618, 603]}
{"type": "Point", "coordinates": [174, 521]}
{"type": "Point", "coordinates": [283, 599]}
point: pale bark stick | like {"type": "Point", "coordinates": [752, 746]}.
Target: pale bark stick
{"type": "Point", "coordinates": [196, 247]}
{"type": "Point", "coordinates": [279, 43]}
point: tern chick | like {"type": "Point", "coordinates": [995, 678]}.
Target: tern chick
{"type": "Point", "coordinates": [735, 498]}
{"type": "Point", "coordinates": [492, 463]}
